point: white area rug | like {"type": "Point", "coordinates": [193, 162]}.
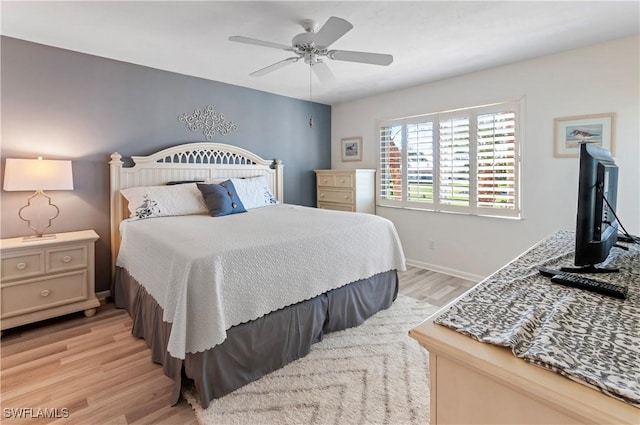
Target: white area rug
{"type": "Point", "coordinates": [372, 374]}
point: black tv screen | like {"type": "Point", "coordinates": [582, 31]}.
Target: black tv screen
{"type": "Point", "coordinates": [596, 225]}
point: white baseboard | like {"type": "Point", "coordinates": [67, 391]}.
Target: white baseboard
{"type": "Point", "coordinates": [445, 270]}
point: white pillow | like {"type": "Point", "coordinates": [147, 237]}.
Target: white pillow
{"type": "Point", "coordinates": [162, 201]}
{"type": "Point", "coordinates": [254, 192]}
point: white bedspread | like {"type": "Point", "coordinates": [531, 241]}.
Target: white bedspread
{"type": "Point", "coordinates": [209, 274]}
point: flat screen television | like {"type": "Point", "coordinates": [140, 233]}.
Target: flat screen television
{"type": "Point", "coordinates": [596, 223]}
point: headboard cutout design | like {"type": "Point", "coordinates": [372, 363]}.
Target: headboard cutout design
{"type": "Point", "coordinates": [206, 157]}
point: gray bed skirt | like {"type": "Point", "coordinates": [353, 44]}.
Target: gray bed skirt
{"type": "Point", "coordinates": [255, 348]}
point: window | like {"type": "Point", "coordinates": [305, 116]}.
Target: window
{"type": "Point", "coordinates": [464, 161]}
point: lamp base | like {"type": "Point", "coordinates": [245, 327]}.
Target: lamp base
{"type": "Point", "coordinates": [39, 232]}
{"type": "Point", "coordinates": [38, 238]}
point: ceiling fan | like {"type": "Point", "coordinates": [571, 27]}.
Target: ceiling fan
{"type": "Point", "coordinates": [312, 46]}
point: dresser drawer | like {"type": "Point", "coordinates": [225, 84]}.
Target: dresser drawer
{"type": "Point", "coordinates": [326, 180]}
{"type": "Point", "coordinates": [39, 294]}
{"type": "Point", "coordinates": [66, 258]}
{"type": "Point", "coordinates": [336, 180]}
{"type": "Point", "coordinates": [344, 180]}
{"type": "Point", "coordinates": [339, 196]}
{"type": "Point", "coordinates": [336, 207]}
{"type": "Point", "coordinates": [25, 264]}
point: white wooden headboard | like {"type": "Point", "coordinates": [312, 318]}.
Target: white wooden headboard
{"type": "Point", "coordinates": [191, 161]}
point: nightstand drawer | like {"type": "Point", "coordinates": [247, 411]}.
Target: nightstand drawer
{"type": "Point", "coordinates": [339, 196]}
{"type": "Point", "coordinates": [39, 294]}
{"type": "Point", "coordinates": [67, 258]}
{"type": "Point", "coordinates": [23, 265]}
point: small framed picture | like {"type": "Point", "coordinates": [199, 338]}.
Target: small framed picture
{"type": "Point", "coordinates": [571, 131]}
{"type": "Point", "coordinates": [351, 149]}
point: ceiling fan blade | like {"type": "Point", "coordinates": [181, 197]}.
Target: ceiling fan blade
{"type": "Point", "coordinates": [248, 40]}
{"type": "Point", "coordinates": [323, 72]}
{"type": "Point", "coordinates": [332, 30]}
{"type": "Point", "coordinates": [274, 66]}
{"type": "Point", "coordinates": [362, 57]}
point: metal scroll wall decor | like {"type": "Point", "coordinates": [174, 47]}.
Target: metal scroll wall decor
{"type": "Point", "coordinates": [209, 121]}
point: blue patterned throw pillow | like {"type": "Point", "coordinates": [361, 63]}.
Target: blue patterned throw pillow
{"type": "Point", "coordinates": [221, 199]}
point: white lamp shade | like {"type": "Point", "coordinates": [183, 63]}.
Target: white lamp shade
{"type": "Point", "coordinates": [37, 174]}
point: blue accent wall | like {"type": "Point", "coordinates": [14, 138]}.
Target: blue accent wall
{"type": "Point", "coordinates": [61, 104]}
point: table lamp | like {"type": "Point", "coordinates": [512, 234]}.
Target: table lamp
{"type": "Point", "coordinates": [37, 175]}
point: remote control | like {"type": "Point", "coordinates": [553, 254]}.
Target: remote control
{"type": "Point", "coordinates": [548, 272]}
{"type": "Point", "coordinates": [581, 282]}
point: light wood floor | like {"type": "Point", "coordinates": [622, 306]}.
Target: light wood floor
{"type": "Point", "coordinates": [100, 374]}
{"type": "Point", "coordinates": [432, 287]}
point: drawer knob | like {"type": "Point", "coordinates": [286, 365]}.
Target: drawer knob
{"type": "Point", "coordinates": [324, 180]}
{"type": "Point", "coordinates": [322, 195]}
{"type": "Point", "coordinates": [44, 293]}
{"type": "Point", "coordinates": [341, 180]}
{"type": "Point", "coordinates": [346, 196]}
{"type": "Point", "coordinates": [66, 259]}
{"type": "Point", "coordinates": [21, 266]}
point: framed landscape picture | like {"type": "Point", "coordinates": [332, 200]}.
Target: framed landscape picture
{"type": "Point", "coordinates": [571, 131]}
{"type": "Point", "coordinates": [351, 148]}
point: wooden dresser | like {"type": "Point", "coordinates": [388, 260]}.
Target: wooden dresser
{"type": "Point", "coordinates": [46, 278]}
{"type": "Point", "coordinates": [346, 190]}
{"type": "Point", "coordinates": [477, 382]}
{"type": "Point", "coordinates": [473, 382]}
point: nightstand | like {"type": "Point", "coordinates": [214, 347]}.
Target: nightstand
{"type": "Point", "coordinates": [346, 190]}
{"type": "Point", "coordinates": [40, 279]}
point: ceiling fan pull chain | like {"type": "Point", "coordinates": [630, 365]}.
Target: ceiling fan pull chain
{"type": "Point", "coordinates": [310, 98]}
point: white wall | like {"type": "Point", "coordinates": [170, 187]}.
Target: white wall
{"type": "Point", "coordinates": [599, 79]}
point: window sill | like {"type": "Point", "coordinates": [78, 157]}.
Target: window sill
{"type": "Point", "coordinates": [461, 213]}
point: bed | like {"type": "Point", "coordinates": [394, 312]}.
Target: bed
{"type": "Point", "coordinates": [224, 300]}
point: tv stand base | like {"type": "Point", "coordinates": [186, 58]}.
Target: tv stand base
{"type": "Point", "coordinates": [590, 269]}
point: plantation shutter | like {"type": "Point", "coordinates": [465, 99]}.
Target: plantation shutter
{"type": "Point", "coordinates": [454, 167]}
{"type": "Point", "coordinates": [420, 162]}
{"type": "Point", "coordinates": [391, 162]}
{"type": "Point", "coordinates": [496, 160]}
{"type": "Point", "coordinates": [463, 160]}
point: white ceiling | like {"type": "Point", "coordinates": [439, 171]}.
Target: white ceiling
{"type": "Point", "coordinates": [429, 40]}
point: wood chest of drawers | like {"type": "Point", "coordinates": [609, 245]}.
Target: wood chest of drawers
{"type": "Point", "coordinates": [45, 278]}
{"type": "Point", "coordinates": [346, 190]}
